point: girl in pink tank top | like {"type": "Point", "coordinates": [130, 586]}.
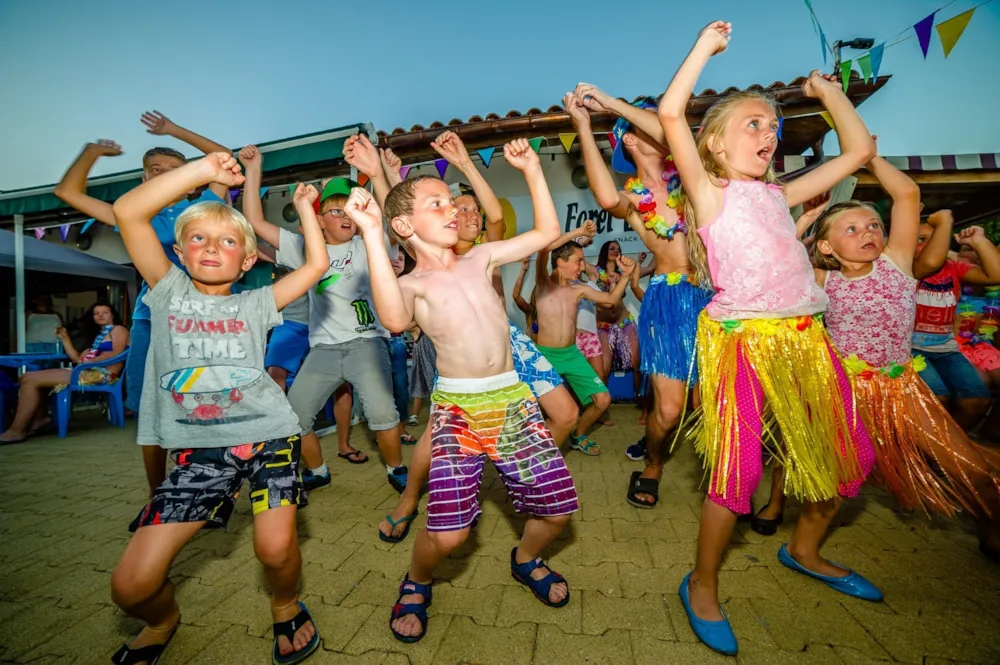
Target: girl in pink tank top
{"type": "Point", "coordinates": [922, 455]}
{"type": "Point", "coordinates": [761, 344]}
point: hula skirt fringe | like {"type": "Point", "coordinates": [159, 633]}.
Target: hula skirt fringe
{"type": "Point", "coordinates": [922, 455]}
{"type": "Point", "coordinates": [799, 412]}
{"type": "Point", "coordinates": [668, 321]}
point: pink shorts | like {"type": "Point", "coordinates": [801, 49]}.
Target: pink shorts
{"type": "Point", "coordinates": [589, 344]}
{"type": "Point", "coordinates": [982, 355]}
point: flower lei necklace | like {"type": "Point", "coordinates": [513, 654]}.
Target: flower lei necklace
{"type": "Point", "coordinates": [647, 205]}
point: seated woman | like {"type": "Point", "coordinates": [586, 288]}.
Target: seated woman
{"type": "Point", "coordinates": [100, 323]}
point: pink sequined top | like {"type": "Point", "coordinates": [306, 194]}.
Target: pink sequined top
{"type": "Point", "coordinates": [872, 316]}
{"type": "Point", "coordinates": [759, 268]}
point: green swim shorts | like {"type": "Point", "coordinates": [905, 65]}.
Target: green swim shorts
{"type": "Point", "coordinates": [569, 362]}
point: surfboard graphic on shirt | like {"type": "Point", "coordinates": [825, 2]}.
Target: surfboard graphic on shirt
{"type": "Point", "coordinates": [343, 269]}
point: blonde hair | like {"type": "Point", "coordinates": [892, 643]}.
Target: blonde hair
{"type": "Point", "coordinates": [221, 211]}
{"type": "Point", "coordinates": [826, 221]}
{"type": "Point", "coordinates": [712, 125]}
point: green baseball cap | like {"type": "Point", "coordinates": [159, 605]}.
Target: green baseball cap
{"type": "Point", "coordinates": [337, 187]}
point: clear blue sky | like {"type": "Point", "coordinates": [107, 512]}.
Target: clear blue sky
{"type": "Point", "coordinates": [254, 71]}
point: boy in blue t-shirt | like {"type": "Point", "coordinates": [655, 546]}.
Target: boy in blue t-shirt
{"type": "Point", "coordinates": [72, 189]}
{"type": "Point", "coordinates": [208, 398]}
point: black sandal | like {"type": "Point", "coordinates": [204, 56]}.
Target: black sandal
{"type": "Point", "coordinates": [288, 628]}
{"type": "Point", "coordinates": [353, 457]}
{"type": "Point", "coordinates": [150, 654]}
{"type": "Point", "coordinates": [763, 526]}
{"type": "Point", "coordinates": [639, 485]}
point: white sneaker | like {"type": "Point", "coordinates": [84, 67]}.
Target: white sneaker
{"type": "Point", "coordinates": [412, 420]}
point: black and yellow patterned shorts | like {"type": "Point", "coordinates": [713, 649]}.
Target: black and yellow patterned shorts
{"type": "Point", "coordinates": [204, 484]}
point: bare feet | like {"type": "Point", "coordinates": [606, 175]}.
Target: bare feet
{"type": "Point", "coordinates": [642, 420]}
{"type": "Point", "coordinates": [302, 636]}
{"type": "Point", "coordinates": [606, 421]}
{"type": "Point", "coordinates": [704, 598]}
{"type": "Point", "coordinates": [152, 635]}
{"type": "Point", "coordinates": [651, 471]}
{"type": "Point", "coordinates": [13, 436]}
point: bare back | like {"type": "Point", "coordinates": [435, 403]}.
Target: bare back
{"type": "Point", "coordinates": [458, 309]}
{"type": "Point", "coordinates": [556, 308]}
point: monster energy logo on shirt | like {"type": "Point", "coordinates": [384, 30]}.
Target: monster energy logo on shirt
{"type": "Point", "coordinates": [364, 314]}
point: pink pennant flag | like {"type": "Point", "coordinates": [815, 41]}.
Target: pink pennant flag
{"type": "Point", "coordinates": [442, 166]}
{"type": "Point", "coordinates": [923, 30]}
{"type": "Point", "coordinates": [404, 171]}
{"type": "Point", "coordinates": [39, 233]}
{"type": "Point", "coordinates": [64, 232]}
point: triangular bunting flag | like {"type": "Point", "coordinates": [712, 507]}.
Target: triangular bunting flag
{"type": "Point", "coordinates": [64, 232]}
{"type": "Point", "coordinates": [404, 171]}
{"type": "Point", "coordinates": [86, 225]}
{"type": "Point", "coordinates": [923, 30]}
{"type": "Point", "coordinates": [951, 30]}
{"type": "Point", "coordinates": [234, 194]}
{"type": "Point", "coordinates": [781, 125]}
{"type": "Point", "coordinates": [291, 191]}
{"type": "Point", "coordinates": [362, 179]}
{"type": "Point", "coordinates": [442, 166]}
{"type": "Point", "coordinates": [865, 65]}
{"type": "Point", "coordinates": [486, 154]}
{"type": "Point", "coordinates": [39, 233]}
{"type": "Point", "coordinates": [845, 73]}
{"type": "Point", "coordinates": [822, 43]}
{"type": "Point", "coordinates": [829, 119]}
{"type": "Point", "coordinates": [567, 141]}
{"type": "Point", "coordinates": [876, 54]}
{"type": "Point", "coordinates": [263, 191]}
{"type": "Point", "coordinates": [535, 143]}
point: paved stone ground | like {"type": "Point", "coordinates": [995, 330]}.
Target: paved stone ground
{"type": "Point", "coordinates": [65, 506]}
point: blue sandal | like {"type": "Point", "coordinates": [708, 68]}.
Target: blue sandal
{"type": "Point", "coordinates": [288, 629]}
{"type": "Point", "coordinates": [522, 573]}
{"type": "Point", "coordinates": [398, 477]}
{"type": "Point", "coordinates": [418, 610]}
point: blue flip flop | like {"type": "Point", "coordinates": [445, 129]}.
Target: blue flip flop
{"type": "Point", "coordinates": [716, 635]}
{"type": "Point", "coordinates": [852, 584]}
{"type": "Point", "coordinates": [288, 628]}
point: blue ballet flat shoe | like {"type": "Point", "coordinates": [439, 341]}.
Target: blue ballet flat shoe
{"type": "Point", "coordinates": [852, 584]}
{"type": "Point", "coordinates": [717, 635]}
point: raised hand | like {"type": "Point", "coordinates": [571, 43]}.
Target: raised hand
{"type": "Point", "coordinates": [62, 333]}
{"type": "Point", "coordinates": [305, 196]}
{"type": "Point", "coordinates": [450, 146]}
{"type": "Point", "coordinates": [642, 257]}
{"type": "Point", "coordinates": [577, 110]}
{"type": "Point", "coordinates": [157, 123]}
{"type": "Point", "coordinates": [390, 162]}
{"type": "Point", "coordinates": [363, 210]}
{"type": "Point", "coordinates": [818, 83]}
{"type": "Point", "coordinates": [593, 97]}
{"type": "Point", "coordinates": [105, 148]}
{"type": "Point", "coordinates": [519, 154]}
{"type": "Point", "coordinates": [816, 205]}
{"type": "Point", "coordinates": [626, 264]}
{"type": "Point", "coordinates": [970, 236]}
{"type": "Point", "coordinates": [362, 155]}
{"type": "Point", "coordinates": [251, 157]}
{"type": "Point", "coordinates": [223, 168]}
{"type": "Point", "coordinates": [589, 228]}
{"type": "Point", "coordinates": [940, 218]}
{"type": "Point", "coordinates": [716, 36]}
{"type": "Point", "coordinates": [525, 262]}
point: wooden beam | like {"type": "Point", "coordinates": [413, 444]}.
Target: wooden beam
{"type": "Point", "coordinates": [937, 177]}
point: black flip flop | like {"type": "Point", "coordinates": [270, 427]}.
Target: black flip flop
{"type": "Point", "coordinates": [352, 457]}
{"type": "Point", "coordinates": [148, 654]}
{"type": "Point", "coordinates": [288, 628]}
{"type": "Point", "coordinates": [11, 443]}
{"type": "Point", "coordinates": [638, 485]}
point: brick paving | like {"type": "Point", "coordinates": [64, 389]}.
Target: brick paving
{"type": "Point", "coordinates": [65, 505]}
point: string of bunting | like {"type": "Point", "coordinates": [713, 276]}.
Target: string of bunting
{"type": "Point", "coordinates": [949, 32]}
{"type": "Point", "coordinates": [485, 154]}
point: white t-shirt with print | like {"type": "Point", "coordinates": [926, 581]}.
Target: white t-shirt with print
{"type": "Point", "coordinates": [341, 306]}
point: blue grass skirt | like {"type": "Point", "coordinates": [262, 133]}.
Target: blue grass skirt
{"type": "Point", "coordinates": [668, 324]}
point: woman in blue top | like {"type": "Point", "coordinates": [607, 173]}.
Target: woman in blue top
{"type": "Point", "coordinates": [100, 324]}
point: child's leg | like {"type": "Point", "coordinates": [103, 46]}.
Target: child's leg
{"type": "Point", "coordinates": [665, 414]}
{"type": "Point", "coordinates": [539, 533]}
{"type": "Point", "coordinates": [419, 470]}
{"type": "Point", "coordinates": [633, 341]}
{"type": "Point", "coordinates": [370, 372]}
{"type": "Point", "coordinates": [154, 459]}
{"type": "Point", "coordinates": [319, 377]}
{"type": "Point", "coordinates": [429, 550]}
{"type": "Point", "coordinates": [418, 404]}
{"type": "Point", "coordinates": [276, 544]}
{"type": "Point", "coordinates": [776, 503]}
{"type": "Point", "coordinates": [343, 404]}
{"type": "Point", "coordinates": [279, 375]}
{"type": "Point", "coordinates": [139, 584]}
{"type": "Point", "coordinates": [561, 412]}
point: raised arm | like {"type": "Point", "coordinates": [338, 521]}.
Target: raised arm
{"type": "Point", "coordinates": [393, 304]}
{"type": "Point", "coordinates": [644, 270]}
{"type": "Point", "coordinates": [391, 165]}
{"type": "Point", "coordinates": [614, 296]}
{"type": "Point", "coordinates": [296, 283]}
{"type": "Point", "coordinates": [935, 252]}
{"type": "Point", "coordinates": [253, 209]}
{"type": "Point", "coordinates": [601, 183]}
{"type": "Point", "coordinates": [519, 154]}
{"type": "Point", "coordinates": [597, 100]}
{"type": "Point", "coordinates": [136, 208]}
{"type": "Point", "coordinates": [856, 145]}
{"type": "Point", "coordinates": [989, 255]}
{"type": "Point", "coordinates": [362, 155]}
{"type": "Point", "coordinates": [812, 209]}
{"type": "Point", "coordinates": [905, 224]}
{"type": "Point", "coordinates": [159, 124]}
{"type": "Point", "coordinates": [672, 112]}
{"type": "Point", "coordinates": [450, 146]}
{"type": "Point", "coordinates": [72, 189]}
{"type": "Point", "coordinates": [588, 228]}
{"type": "Point", "coordinates": [637, 290]}
{"type": "Point", "coordinates": [521, 303]}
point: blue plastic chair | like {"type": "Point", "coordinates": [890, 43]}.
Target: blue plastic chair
{"type": "Point", "coordinates": [116, 404]}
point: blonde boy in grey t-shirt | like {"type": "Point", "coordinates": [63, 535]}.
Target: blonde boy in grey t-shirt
{"type": "Point", "coordinates": [207, 397]}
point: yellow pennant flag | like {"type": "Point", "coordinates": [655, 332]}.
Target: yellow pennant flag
{"type": "Point", "coordinates": [567, 141]}
{"type": "Point", "coordinates": [951, 30]}
{"type": "Point", "coordinates": [828, 118]}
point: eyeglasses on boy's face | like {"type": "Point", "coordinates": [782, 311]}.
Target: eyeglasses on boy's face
{"type": "Point", "coordinates": [333, 212]}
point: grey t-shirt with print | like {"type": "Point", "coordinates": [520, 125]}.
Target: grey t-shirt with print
{"type": "Point", "coordinates": [205, 384]}
{"type": "Point", "coordinates": [341, 306]}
